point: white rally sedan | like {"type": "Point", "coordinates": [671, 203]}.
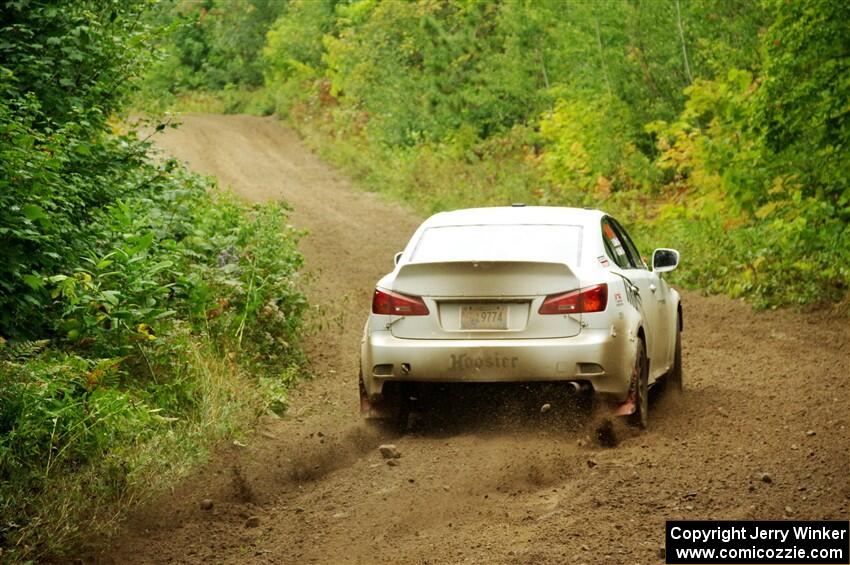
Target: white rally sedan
{"type": "Point", "coordinates": [513, 294]}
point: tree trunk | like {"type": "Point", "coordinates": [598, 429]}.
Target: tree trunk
{"type": "Point", "coordinates": [682, 39]}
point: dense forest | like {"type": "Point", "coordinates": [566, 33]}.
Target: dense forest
{"type": "Point", "coordinates": [719, 127]}
{"type": "Point", "coordinates": [135, 298]}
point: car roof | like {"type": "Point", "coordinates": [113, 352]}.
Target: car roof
{"type": "Point", "coordinates": [516, 215]}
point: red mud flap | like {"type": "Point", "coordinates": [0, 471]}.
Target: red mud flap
{"type": "Point", "coordinates": [627, 408]}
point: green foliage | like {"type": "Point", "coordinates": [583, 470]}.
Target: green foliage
{"type": "Point", "coordinates": [72, 58]}
{"type": "Point", "coordinates": [424, 70]}
{"type": "Point", "coordinates": [802, 107]}
{"type": "Point", "coordinates": [46, 201]}
{"type": "Point", "coordinates": [168, 268]}
{"type": "Point", "coordinates": [293, 52]}
{"type": "Point", "coordinates": [716, 127]}
{"type": "Point", "coordinates": [63, 72]}
{"type": "Point", "coordinates": [421, 70]}
{"type": "Point", "coordinates": [591, 150]}
{"type": "Point", "coordinates": [211, 45]}
{"type": "Point", "coordinates": [294, 41]}
{"type": "Point", "coordinates": [59, 411]}
{"type": "Point", "coordinates": [786, 242]}
{"type": "Point", "coordinates": [164, 268]}
{"type": "Point", "coordinates": [143, 313]}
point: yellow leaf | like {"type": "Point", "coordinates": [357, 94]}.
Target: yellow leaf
{"type": "Point", "coordinates": [146, 331]}
{"type": "Point", "coordinates": [766, 210]}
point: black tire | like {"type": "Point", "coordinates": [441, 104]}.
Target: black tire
{"type": "Point", "coordinates": [674, 384]}
{"type": "Point", "coordinates": [640, 378]}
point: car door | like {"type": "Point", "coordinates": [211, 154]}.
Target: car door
{"type": "Point", "coordinates": [631, 266]}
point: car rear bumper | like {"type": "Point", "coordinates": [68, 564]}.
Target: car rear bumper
{"type": "Point", "coordinates": [593, 356]}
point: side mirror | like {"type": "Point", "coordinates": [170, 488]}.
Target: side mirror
{"type": "Point", "coordinates": [397, 257]}
{"type": "Point", "coordinates": [664, 260]}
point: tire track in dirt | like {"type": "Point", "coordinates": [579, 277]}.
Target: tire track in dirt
{"type": "Point", "coordinates": [483, 488]}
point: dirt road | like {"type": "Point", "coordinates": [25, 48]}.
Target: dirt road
{"type": "Point", "coordinates": [765, 393]}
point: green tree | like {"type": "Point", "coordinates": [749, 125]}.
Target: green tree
{"type": "Point", "coordinates": [212, 43]}
{"type": "Point", "coordinates": [803, 107]}
{"type": "Point", "coordinates": [63, 72]}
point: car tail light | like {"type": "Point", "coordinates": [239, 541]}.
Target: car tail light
{"type": "Point", "coordinates": [390, 303]}
{"type": "Point", "coordinates": [590, 299]}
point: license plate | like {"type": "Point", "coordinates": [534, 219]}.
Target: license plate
{"type": "Point", "coordinates": [484, 317]}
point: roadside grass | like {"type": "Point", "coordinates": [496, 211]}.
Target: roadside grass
{"type": "Point", "coordinates": [177, 326]}
{"type": "Point", "coordinates": [77, 503]}
{"type": "Point", "coordinates": [230, 100]}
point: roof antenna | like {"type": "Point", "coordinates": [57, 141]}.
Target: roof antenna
{"type": "Point", "coordinates": [518, 205]}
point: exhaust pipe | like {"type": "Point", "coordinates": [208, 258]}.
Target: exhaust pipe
{"type": "Point", "coordinates": [578, 387]}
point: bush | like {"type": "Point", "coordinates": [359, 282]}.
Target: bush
{"type": "Point", "coordinates": [174, 280]}
{"type": "Point", "coordinates": [144, 314]}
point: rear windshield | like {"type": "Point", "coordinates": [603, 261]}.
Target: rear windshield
{"type": "Point", "coordinates": [549, 243]}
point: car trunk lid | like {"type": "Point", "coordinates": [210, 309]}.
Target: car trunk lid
{"type": "Point", "coordinates": [484, 300]}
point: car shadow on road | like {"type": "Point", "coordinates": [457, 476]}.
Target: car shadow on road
{"type": "Point", "coordinates": [547, 409]}
{"type": "Point", "coordinates": [496, 408]}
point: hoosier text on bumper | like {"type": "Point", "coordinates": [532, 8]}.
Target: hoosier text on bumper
{"type": "Point", "coordinates": [463, 361]}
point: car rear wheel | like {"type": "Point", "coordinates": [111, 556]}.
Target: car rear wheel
{"type": "Point", "coordinates": [640, 384]}
{"type": "Point", "coordinates": [674, 377]}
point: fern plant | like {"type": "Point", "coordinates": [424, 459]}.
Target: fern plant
{"type": "Point", "coordinates": [22, 350]}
